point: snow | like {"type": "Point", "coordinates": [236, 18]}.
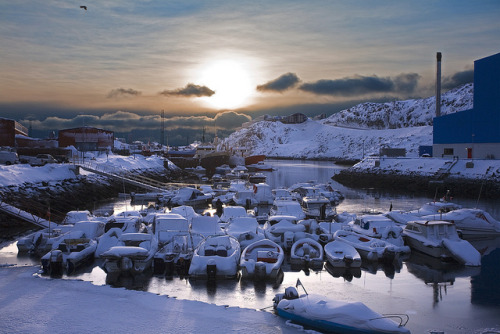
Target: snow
{"type": "Point", "coordinates": [31, 304]}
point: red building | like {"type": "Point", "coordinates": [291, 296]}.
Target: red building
{"type": "Point", "coordinates": [87, 139]}
{"type": "Point", "coordinates": [8, 131]}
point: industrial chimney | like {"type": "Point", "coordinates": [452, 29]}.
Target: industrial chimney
{"type": "Point", "coordinates": [438, 85]}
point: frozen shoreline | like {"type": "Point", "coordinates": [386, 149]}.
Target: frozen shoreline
{"type": "Point", "coordinates": [32, 304]}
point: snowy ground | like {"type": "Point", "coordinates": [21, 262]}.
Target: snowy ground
{"type": "Point", "coordinates": [31, 304]}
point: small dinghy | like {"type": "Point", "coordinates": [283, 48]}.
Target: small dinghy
{"type": "Point", "coordinates": [342, 255]}
{"type": "Point", "coordinates": [324, 314]}
{"type": "Point", "coordinates": [261, 260]}
{"type": "Point", "coordinates": [306, 252]}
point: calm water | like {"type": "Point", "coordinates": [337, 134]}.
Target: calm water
{"type": "Point", "coordinates": [438, 297]}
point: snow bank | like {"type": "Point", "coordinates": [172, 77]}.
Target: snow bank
{"type": "Point", "coordinates": [37, 305]}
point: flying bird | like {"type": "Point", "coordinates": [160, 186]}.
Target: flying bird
{"type": "Point", "coordinates": [84, 7]}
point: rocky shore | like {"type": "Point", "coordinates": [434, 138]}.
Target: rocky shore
{"type": "Point", "coordinates": [426, 176]}
{"type": "Point", "coordinates": [84, 192]}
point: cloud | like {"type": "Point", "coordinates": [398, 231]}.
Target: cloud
{"type": "Point", "coordinates": [125, 123]}
{"type": "Point", "coordinates": [360, 85]}
{"type": "Point", "coordinates": [458, 79]}
{"type": "Point", "coordinates": [119, 92]}
{"type": "Point", "coordinates": [189, 90]}
{"type": "Point", "coordinates": [280, 84]}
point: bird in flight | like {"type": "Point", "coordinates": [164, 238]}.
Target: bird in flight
{"type": "Point", "coordinates": [84, 7]}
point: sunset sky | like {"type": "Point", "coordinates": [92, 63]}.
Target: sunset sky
{"type": "Point", "coordinates": [118, 64]}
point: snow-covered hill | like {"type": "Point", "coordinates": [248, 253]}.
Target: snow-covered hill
{"type": "Point", "coordinates": [353, 133]}
{"type": "Point", "coordinates": [403, 114]}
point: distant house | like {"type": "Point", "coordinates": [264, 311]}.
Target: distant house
{"type": "Point", "coordinates": [8, 131]}
{"type": "Point", "coordinates": [87, 139]}
{"type": "Point", "coordinates": [474, 133]}
{"type": "Point", "coordinates": [294, 119]}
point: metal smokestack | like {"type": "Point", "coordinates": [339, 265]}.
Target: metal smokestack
{"type": "Point", "coordinates": [438, 84]}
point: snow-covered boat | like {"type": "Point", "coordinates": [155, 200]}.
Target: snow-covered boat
{"type": "Point", "coordinates": [40, 242]}
{"type": "Point", "coordinates": [133, 255]}
{"type": "Point", "coordinates": [341, 254]}
{"type": "Point", "coordinates": [257, 178]}
{"type": "Point", "coordinates": [440, 239]}
{"type": "Point", "coordinates": [127, 221]}
{"type": "Point", "coordinates": [471, 222]}
{"type": "Point", "coordinates": [261, 260]}
{"type": "Point", "coordinates": [287, 208]}
{"type": "Point", "coordinates": [206, 226]}
{"type": "Point", "coordinates": [308, 253]}
{"type": "Point", "coordinates": [216, 257]}
{"type": "Point", "coordinates": [369, 248]}
{"type": "Point", "coordinates": [175, 246]}
{"type": "Point", "coordinates": [73, 249]}
{"type": "Point", "coordinates": [318, 207]}
{"type": "Point", "coordinates": [190, 196]}
{"type": "Point", "coordinates": [324, 314]}
{"type": "Point", "coordinates": [245, 229]}
{"type": "Point", "coordinates": [70, 254]}
{"type": "Point", "coordinates": [282, 229]}
{"type": "Point", "coordinates": [380, 227]}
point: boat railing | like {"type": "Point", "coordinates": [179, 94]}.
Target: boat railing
{"type": "Point", "coordinates": [403, 318]}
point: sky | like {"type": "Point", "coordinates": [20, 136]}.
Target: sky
{"type": "Point", "coordinates": [217, 64]}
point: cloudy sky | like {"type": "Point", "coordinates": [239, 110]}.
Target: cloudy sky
{"type": "Point", "coordinates": [118, 64]}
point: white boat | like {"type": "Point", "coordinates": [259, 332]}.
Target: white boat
{"type": "Point", "coordinates": [133, 255]}
{"type": "Point", "coordinates": [341, 254]}
{"type": "Point", "coordinates": [216, 257]}
{"type": "Point", "coordinates": [257, 178]}
{"type": "Point", "coordinates": [206, 226]}
{"type": "Point", "coordinates": [440, 239]}
{"type": "Point", "coordinates": [318, 207]}
{"type": "Point", "coordinates": [232, 211]}
{"type": "Point", "coordinates": [261, 260]}
{"type": "Point", "coordinates": [282, 229]}
{"type": "Point", "coordinates": [73, 249]}
{"type": "Point", "coordinates": [175, 245]}
{"type": "Point", "coordinates": [435, 207]}
{"type": "Point", "coordinates": [471, 222]}
{"type": "Point", "coordinates": [245, 229]}
{"type": "Point", "coordinates": [288, 208]}
{"type": "Point", "coordinates": [380, 227]}
{"type": "Point", "coordinates": [70, 254]}
{"type": "Point", "coordinates": [369, 248]}
{"type": "Point", "coordinates": [307, 253]}
{"type": "Point", "coordinates": [40, 242]}
{"type": "Point", "coordinates": [127, 221]}
{"type": "Point", "coordinates": [328, 315]}
{"type": "Point", "coordinates": [189, 196]}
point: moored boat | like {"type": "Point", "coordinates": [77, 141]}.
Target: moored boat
{"type": "Point", "coordinates": [216, 257]}
{"type": "Point", "coordinates": [440, 239]}
{"type": "Point", "coordinates": [261, 260]}
{"type": "Point", "coordinates": [307, 253]}
{"type": "Point", "coordinates": [324, 314]}
{"type": "Point", "coordinates": [341, 254]}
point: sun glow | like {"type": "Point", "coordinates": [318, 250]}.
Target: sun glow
{"type": "Point", "coordinates": [231, 83]}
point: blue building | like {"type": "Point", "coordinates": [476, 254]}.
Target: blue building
{"type": "Point", "coordinates": [474, 133]}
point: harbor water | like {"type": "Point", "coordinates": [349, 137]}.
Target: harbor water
{"type": "Point", "coordinates": [438, 297]}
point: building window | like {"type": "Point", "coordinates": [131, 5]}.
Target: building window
{"type": "Point", "coordinates": [448, 151]}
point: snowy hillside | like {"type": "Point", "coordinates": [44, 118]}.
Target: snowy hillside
{"type": "Point", "coordinates": [353, 133]}
{"type": "Point", "coordinates": [403, 114]}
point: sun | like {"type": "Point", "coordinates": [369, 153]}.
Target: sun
{"type": "Point", "coordinates": [231, 83]}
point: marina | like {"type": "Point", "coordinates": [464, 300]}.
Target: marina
{"type": "Point", "coordinates": [436, 295]}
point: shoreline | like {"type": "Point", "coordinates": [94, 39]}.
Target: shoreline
{"type": "Point", "coordinates": [481, 179]}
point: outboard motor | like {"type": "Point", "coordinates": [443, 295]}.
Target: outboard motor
{"type": "Point", "coordinates": [260, 270]}
{"type": "Point", "coordinates": [126, 264]}
{"type": "Point", "coordinates": [211, 270]}
{"type": "Point", "coordinates": [288, 240]}
{"type": "Point", "coordinates": [56, 263]}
